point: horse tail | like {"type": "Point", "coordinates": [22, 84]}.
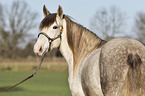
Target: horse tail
{"type": "Point", "coordinates": [134, 75]}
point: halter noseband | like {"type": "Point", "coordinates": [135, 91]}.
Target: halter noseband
{"type": "Point", "coordinates": [50, 40]}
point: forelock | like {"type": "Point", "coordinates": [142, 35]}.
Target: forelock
{"type": "Point", "coordinates": [47, 21]}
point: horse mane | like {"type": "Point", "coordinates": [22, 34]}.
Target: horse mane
{"type": "Point", "coordinates": [81, 41]}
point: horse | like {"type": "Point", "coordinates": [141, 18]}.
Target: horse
{"type": "Point", "coordinates": [96, 67]}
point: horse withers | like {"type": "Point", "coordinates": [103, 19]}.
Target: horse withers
{"type": "Point", "coordinates": [96, 67]}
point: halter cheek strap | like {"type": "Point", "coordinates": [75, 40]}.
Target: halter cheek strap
{"type": "Point", "coordinates": [50, 40]}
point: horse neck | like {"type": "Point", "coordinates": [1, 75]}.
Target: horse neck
{"type": "Point", "coordinates": [77, 43]}
{"type": "Point", "coordinates": [66, 51]}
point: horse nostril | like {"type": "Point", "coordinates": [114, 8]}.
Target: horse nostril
{"type": "Point", "coordinates": [40, 49]}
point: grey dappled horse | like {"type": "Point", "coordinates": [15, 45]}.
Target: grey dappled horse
{"type": "Point", "coordinates": [96, 67]}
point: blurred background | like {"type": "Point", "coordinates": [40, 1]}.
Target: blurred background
{"type": "Point", "coordinates": [19, 26]}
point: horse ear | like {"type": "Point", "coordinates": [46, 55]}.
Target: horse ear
{"type": "Point", "coordinates": [45, 11]}
{"type": "Point", "coordinates": [59, 15]}
{"type": "Point", "coordinates": [60, 12]}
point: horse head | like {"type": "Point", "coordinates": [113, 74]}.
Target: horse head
{"type": "Point", "coordinates": [50, 31]}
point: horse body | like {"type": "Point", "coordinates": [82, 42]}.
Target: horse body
{"type": "Point", "coordinates": [96, 67]}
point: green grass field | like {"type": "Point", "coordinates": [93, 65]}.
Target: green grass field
{"type": "Point", "coordinates": [43, 84]}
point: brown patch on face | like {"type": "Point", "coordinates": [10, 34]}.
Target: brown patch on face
{"type": "Point", "coordinates": [47, 21]}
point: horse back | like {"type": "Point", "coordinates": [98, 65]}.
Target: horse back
{"type": "Point", "coordinates": [122, 67]}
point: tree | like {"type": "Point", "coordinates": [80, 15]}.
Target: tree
{"type": "Point", "coordinates": [18, 21]}
{"type": "Point", "coordinates": [140, 27]}
{"type": "Point", "coordinates": [3, 34]}
{"type": "Point", "coordinates": [108, 22]}
{"type": "Point", "coordinates": [27, 51]}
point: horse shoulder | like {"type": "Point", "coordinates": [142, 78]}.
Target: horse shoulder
{"type": "Point", "coordinates": [90, 74]}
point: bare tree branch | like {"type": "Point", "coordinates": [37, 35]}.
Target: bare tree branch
{"type": "Point", "coordinates": [108, 22]}
{"type": "Point", "coordinates": [140, 27]}
{"type": "Point", "coordinates": [20, 20]}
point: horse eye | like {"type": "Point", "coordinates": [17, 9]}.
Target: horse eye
{"type": "Point", "coordinates": [55, 27]}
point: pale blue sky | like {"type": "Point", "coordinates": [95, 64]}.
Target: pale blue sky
{"type": "Point", "coordinates": [83, 10]}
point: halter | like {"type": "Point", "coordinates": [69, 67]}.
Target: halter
{"type": "Point", "coordinates": [50, 40]}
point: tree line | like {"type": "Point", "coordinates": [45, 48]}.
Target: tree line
{"type": "Point", "coordinates": [18, 20]}
{"type": "Point", "coordinates": [15, 23]}
{"type": "Point", "coordinates": [111, 23]}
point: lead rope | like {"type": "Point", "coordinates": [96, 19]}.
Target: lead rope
{"type": "Point", "coordinates": [28, 76]}
{"type": "Point", "coordinates": [50, 41]}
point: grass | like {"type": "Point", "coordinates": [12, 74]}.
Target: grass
{"type": "Point", "coordinates": [43, 84]}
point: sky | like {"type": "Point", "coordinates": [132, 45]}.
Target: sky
{"type": "Point", "coordinates": [83, 10]}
